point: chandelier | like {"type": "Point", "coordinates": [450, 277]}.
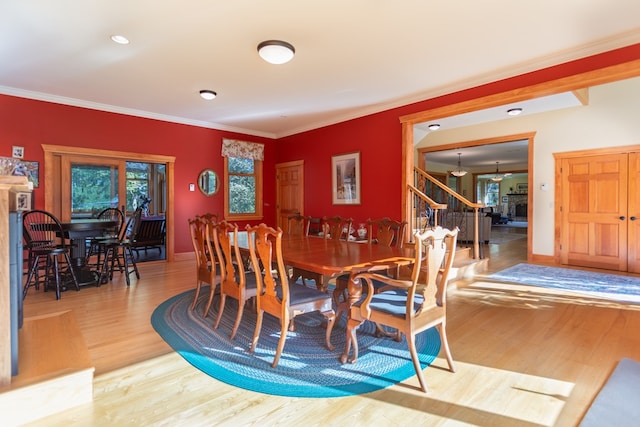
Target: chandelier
{"type": "Point", "coordinates": [459, 172]}
{"type": "Point", "coordinates": [497, 177]}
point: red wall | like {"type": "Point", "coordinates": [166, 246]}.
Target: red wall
{"type": "Point", "coordinates": [377, 137]}
{"type": "Point", "coordinates": [379, 140]}
{"type": "Point", "coordinates": [30, 123]}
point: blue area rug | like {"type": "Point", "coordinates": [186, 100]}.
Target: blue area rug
{"type": "Point", "coordinates": [603, 285]}
{"type": "Point", "coordinates": [306, 367]}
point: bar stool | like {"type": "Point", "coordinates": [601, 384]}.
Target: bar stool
{"type": "Point", "coordinates": [46, 243]}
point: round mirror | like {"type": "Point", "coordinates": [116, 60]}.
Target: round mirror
{"type": "Point", "coordinates": [208, 182]}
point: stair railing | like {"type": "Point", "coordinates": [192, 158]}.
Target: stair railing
{"type": "Point", "coordinates": [427, 212]}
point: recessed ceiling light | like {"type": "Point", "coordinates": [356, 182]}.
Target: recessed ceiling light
{"type": "Point", "coordinates": [120, 39]}
{"type": "Point", "coordinates": [276, 51]}
{"type": "Point", "coordinates": [434, 126]}
{"type": "Point", "coordinates": [208, 94]}
{"type": "Point", "coordinates": [514, 111]}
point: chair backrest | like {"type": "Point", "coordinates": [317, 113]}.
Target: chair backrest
{"type": "Point", "coordinates": [225, 244]}
{"type": "Point", "coordinates": [209, 217]}
{"type": "Point", "coordinates": [435, 250]}
{"type": "Point", "coordinates": [387, 231]}
{"type": "Point", "coordinates": [42, 229]}
{"type": "Point", "coordinates": [133, 225]}
{"type": "Point", "coordinates": [198, 233]}
{"type": "Point", "coordinates": [113, 214]}
{"type": "Point", "coordinates": [298, 225]}
{"type": "Point", "coordinates": [337, 226]}
{"type": "Point", "coordinates": [265, 247]}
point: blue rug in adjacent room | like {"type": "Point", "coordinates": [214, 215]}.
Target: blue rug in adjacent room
{"type": "Point", "coordinates": [306, 368]}
{"type": "Point", "coordinates": [602, 285]}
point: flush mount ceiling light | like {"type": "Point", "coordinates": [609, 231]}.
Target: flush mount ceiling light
{"type": "Point", "coordinates": [120, 39]}
{"type": "Point", "coordinates": [208, 94]}
{"type": "Point", "coordinates": [434, 126]}
{"type": "Point", "coordinates": [276, 51]}
{"type": "Point", "coordinates": [460, 172]}
{"type": "Point", "coordinates": [514, 111]}
{"type": "Point", "coordinates": [497, 177]}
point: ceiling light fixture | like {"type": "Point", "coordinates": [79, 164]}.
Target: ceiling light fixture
{"type": "Point", "coordinates": [514, 111]}
{"type": "Point", "coordinates": [434, 126]}
{"type": "Point", "coordinates": [120, 39]}
{"type": "Point", "coordinates": [276, 51]}
{"type": "Point", "coordinates": [460, 172]}
{"type": "Point", "coordinates": [497, 178]}
{"type": "Point", "coordinates": [208, 94]}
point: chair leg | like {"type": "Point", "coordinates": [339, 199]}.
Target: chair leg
{"type": "Point", "coordinates": [256, 332]}
{"type": "Point", "coordinates": [284, 323]}
{"type": "Point", "coordinates": [212, 292]}
{"type": "Point", "coordinates": [32, 272]}
{"type": "Point", "coordinates": [445, 344]}
{"type": "Point", "coordinates": [411, 341]}
{"type": "Point", "coordinates": [241, 305]}
{"type": "Point", "coordinates": [56, 272]}
{"type": "Point", "coordinates": [73, 273]}
{"type": "Point", "coordinates": [223, 300]}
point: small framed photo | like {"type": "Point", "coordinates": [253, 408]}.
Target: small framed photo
{"type": "Point", "coordinates": [345, 179]}
{"type": "Point", "coordinates": [17, 152]}
{"type": "Point", "coordinates": [505, 199]}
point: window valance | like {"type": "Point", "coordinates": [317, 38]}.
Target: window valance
{"type": "Point", "coordinates": [242, 149]}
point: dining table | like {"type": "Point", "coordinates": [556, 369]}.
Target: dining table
{"type": "Point", "coordinates": [332, 258]}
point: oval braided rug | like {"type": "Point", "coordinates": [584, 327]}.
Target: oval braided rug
{"type": "Point", "coordinates": [306, 368]}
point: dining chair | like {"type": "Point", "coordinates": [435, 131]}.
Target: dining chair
{"type": "Point", "coordinates": [383, 231]}
{"type": "Point", "coordinates": [46, 244]}
{"type": "Point", "coordinates": [298, 225]}
{"type": "Point", "coordinates": [278, 297]}
{"type": "Point", "coordinates": [118, 252]}
{"type": "Point", "coordinates": [411, 306]}
{"type": "Point", "coordinates": [206, 262]}
{"type": "Point", "coordinates": [96, 245]}
{"type": "Point", "coordinates": [335, 227]}
{"type": "Point", "coordinates": [235, 282]}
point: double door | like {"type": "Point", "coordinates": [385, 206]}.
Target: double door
{"type": "Point", "coordinates": [600, 211]}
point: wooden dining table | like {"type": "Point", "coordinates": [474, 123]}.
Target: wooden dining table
{"type": "Point", "coordinates": [332, 258]}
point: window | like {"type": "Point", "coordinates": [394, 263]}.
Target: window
{"type": "Point", "coordinates": [94, 187]}
{"type": "Point", "coordinates": [243, 178]}
{"type": "Point", "coordinates": [488, 192]}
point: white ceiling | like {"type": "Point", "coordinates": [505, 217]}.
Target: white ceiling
{"type": "Point", "coordinates": [352, 58]}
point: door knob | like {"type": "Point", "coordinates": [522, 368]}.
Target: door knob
{"type": "Point", "coordinates": [622, 218]}
{"type": "Point", "coordinates": [633, 218]}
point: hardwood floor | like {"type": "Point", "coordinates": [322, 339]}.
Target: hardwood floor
{"type": "Point", "coordinates": [523, 358]}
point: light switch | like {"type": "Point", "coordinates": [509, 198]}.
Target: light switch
{"type": "Point", "coordinates": [192, 187]}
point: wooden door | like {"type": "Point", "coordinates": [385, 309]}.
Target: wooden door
{"type": "Point", "coordinates": [289, 191]}
{"type": "Point", "coordinates": [634, 213]}
{"type": "Point", "coordinates": [594, 211]}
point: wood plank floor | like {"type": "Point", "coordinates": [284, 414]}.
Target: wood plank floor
{"type": "Point", "coordinates": [523, 359]}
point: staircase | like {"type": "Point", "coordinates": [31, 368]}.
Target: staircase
{"type": "Point", "coordinates": [428, 203]}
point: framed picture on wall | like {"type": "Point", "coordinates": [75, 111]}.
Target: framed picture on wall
{"type": "Point", "coordinates": [29, 169]}
{"type": "Point", "coordinates": [521, 187]}
{"type": "Point", "coordinates": [345, 179]}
